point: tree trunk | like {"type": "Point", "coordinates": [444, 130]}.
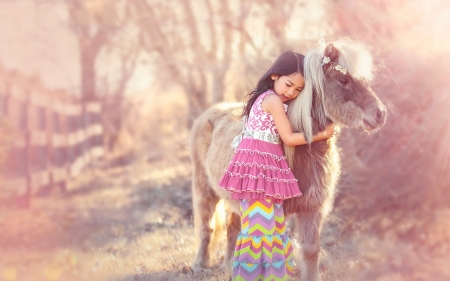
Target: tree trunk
{"type": "Point", "coordinates": [87, 62]}
{"type": "Point", "coordinates": [195, 91]}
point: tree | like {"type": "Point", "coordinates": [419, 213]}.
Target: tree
{"type": "Point", "coordinates": [173, 35]}
{"type": "Point", "coordinates": [194, 41]}
{"type": "Point", "coordinates": [94, 23]}
{"type": "Point", "coordinates": [104, 34]}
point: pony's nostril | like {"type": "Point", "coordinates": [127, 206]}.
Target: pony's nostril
{"type": "Point", "coordinates": [379, 115]}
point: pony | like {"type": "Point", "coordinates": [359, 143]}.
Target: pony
{"type": "Point", "coordinates": [338, 89]}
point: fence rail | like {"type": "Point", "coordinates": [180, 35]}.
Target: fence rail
{"type": "Point", "coordinates": [55, 135]}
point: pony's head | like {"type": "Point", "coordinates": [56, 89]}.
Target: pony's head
{"type": "Point", "coordinates": [338, 78]}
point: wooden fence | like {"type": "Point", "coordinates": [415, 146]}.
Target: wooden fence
{"type": "Point", "coordinates": [55, 135]}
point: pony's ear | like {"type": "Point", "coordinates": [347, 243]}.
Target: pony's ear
{"type": "Point", "coordinates": [331, 52]}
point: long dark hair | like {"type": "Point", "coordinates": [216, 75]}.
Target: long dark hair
{"type": "Point", "coordinates": [287, 63]}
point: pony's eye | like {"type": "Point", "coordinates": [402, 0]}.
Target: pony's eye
{"type": "Point", "coordinates": [344, 81]}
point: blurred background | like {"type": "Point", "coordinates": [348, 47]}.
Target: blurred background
{"type": "Point", "coordinates": [97, 98]}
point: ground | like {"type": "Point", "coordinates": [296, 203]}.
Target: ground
{"type": "Point", "coordinates": [134, 222]}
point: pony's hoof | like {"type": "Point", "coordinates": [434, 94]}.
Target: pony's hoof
{"type": "Point", "coordinates": [226, 265]}
{"type": "Point", "coordinates": [186, 270]}
{"type": "Point", "coordinates": [196, 268]}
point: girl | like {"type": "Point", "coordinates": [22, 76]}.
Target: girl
{"type": "Point", "coordinates": [259, 176]}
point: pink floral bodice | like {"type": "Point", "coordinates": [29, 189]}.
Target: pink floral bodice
{"type": "Point", "coordinates": [260, 124]}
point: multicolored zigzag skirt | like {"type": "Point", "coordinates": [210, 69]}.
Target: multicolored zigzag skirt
{"type": "Point", "coordinates": [263, 250]}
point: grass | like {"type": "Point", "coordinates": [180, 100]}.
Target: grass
{"type": "Point", "coordinates": [135, 223]}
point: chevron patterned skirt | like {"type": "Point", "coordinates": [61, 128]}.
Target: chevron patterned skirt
{"type": "Point", "coordinates": [263, 250]}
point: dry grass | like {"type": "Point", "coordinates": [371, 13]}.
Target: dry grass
{"type": "Point", "coordinates": [135, 223]}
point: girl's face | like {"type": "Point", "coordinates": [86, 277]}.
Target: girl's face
{"type": "Point", "coordinates": [288, 87]}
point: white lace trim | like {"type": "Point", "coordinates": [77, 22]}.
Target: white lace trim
{"type": "Point", "coordinates": [260, 174]}
{"type": "Point", "coordinates": [260, 166]}
{"type": "Point", "coordinates": [262, 153]}
{"type": "Point", "coordinates": [262, 193]}
{"type": "Point", "coordinates": [266, 136]}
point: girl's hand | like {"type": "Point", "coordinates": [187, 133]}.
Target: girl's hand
{"type": "Point", "coordinates": [325, 134]}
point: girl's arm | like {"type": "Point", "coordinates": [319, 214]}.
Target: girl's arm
{"type": "Point", "coordinates": [274, 105]}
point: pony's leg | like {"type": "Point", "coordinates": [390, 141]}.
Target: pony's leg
{"type": "Point", "coordinates": [309, 234]}
{"type": "Point", "coordinates": [233, 228]}
{"type": "Point", "coordinates": [204, 205]}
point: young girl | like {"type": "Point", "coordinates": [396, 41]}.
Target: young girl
{"type": "Point", "coordinates": [259, 176]}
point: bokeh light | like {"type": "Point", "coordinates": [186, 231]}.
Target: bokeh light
{"type": "Point", "coordinates": [10, 273]}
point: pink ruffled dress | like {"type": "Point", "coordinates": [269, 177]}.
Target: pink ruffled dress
{"type": "Point", "coordinates": [259, 169]}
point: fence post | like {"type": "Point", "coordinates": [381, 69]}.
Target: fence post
{"type": "Point", "coordinates": [57, 136]}
{"type": "Point", "coordinates": [23, 200]}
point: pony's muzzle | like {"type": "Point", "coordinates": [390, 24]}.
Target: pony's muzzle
{"type": "Point", "coordinates": [376, 120]}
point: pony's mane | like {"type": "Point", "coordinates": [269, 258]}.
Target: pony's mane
{"type": "Point", "coordinates": [353, 56]}
{"type": "Point", "coordinates": [356, 58]}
